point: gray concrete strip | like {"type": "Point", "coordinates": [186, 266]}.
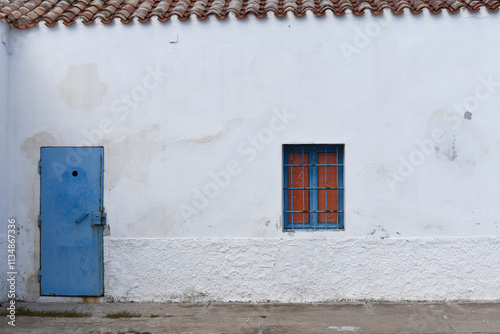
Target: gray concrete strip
{"type": "Point", "coordinates": [364, 324]}
{"type": "Point", "coordinates": [475, 326]}
{"type": "Point", "coordinates": [249, 318]}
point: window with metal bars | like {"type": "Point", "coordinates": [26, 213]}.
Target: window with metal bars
{"type": "Point", "coordinates": [313, 187]}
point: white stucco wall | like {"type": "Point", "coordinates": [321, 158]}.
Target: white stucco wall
{"type": "Point", "coordinates": [302, 271]}
{"type": "Point", "coordinates": [4, 151]}
{"type": "Point", "coordinates": [174, 103]}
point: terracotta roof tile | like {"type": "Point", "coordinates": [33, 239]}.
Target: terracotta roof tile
{"type": "Point", "coordinates": [27, 14]}
{"type": "Point", "coordinates": [143, 12]}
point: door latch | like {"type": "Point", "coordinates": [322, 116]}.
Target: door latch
{"type": "Point", "coordinates": [98, 218]}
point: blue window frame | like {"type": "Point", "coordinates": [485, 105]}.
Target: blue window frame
{"type": "Point", "coordinates": [313, 187]}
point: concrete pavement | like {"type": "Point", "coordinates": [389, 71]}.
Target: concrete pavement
{"type": "Point", "coordinates": [261, 318]}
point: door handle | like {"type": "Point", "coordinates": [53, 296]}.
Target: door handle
{"type": "Point", "coordinates": [82, 217]}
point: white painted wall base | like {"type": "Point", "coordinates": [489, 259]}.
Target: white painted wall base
{"type": "Point", "coordinates": [257, 270]}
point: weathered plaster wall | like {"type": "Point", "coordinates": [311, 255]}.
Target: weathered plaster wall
{"type": "Point", "coordinates": [396, 269]}
{"type": "Point", "coordinates": [177, 105]}
{"type": "Point", "coordinates": [4, 151]}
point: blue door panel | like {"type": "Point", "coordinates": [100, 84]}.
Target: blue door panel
{"type": "Point", "coordinates": [71, 261]}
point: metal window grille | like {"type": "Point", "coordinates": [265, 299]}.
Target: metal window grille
{"type": "Point", "coordinates": [313, 187]}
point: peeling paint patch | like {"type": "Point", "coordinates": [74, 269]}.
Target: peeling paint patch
{"type": "Point", "coordinates": [266, 221]}
{"type": "Point", "coordinates": [449, 152]}
{"type": "Point", "coordinates": [380, 231]}
{"type": "Point", "coordinates": [460, 142]}
{"type": "Point", "coordinates": [82, 88]}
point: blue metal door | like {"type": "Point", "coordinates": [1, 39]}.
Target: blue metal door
{"type": "Point", "coordinates": [71, 221]}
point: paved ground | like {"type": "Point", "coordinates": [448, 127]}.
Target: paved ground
{"type": "Point", "coordinates": [262, 318]}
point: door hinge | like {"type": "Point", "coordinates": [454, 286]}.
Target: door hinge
{"type": "Point", "coordinates": [39, 221]}
{"type": "Point", "coordinates": [40, 167]}
{"type": "Point", "coordinates": [39, 275]}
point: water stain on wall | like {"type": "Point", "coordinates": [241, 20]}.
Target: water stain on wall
{"type": "Point", "coordinates": [159, 218]}
{"type": "Point", "coordinates": [381, 172]}
{"type": "Point", "coordinates": [31, 148]}
{"type": "Point", "coordinates": [144, 144]}
{"type": "Point", "coordinates": [82, 87]}
{"type": "Point", "coordinates": [31, 145]}
{"type": "Point", "coordinates": [32, 285]}
{"type": "Point", "coordinates": [132, 156]}
{"type": "Point", "coordinates": [226, 128]}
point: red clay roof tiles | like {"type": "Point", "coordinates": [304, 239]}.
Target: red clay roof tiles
{"type": "Point", "coordinates": [24, 14]}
